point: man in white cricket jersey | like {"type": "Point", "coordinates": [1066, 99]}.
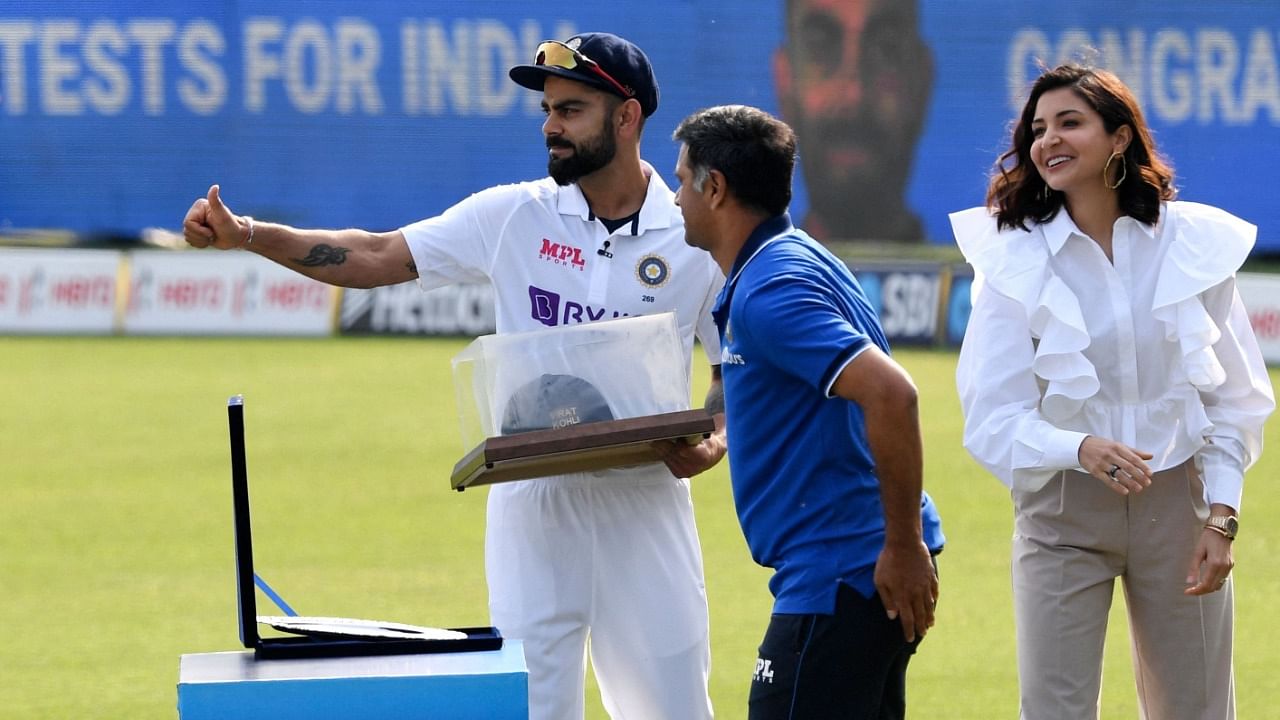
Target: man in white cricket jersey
{"type": "Point", "coordinates": [610, 556]}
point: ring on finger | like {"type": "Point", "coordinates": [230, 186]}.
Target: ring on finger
{"type": "Point", "coordinates": [1112, 472]}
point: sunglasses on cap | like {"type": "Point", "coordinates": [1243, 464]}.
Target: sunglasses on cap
{"type": "Point", "coordinates": [554, 53]}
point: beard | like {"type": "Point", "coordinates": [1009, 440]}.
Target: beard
{"type": "Point", "coordinates": [588, 156]}
{"type": "Point", "coordinates": [866, 202]}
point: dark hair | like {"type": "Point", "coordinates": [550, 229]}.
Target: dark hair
{"type": "Point", "coordinates": [755, 152]}
{"type": "Point", "coordinates": [1017, 192]}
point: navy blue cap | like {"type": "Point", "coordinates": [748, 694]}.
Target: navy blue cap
{"type": "Point", "coordinates": [621, 59]}
{"type": "Point", "coordinates": [554, 401]}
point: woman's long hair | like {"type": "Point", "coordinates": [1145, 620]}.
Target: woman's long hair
{"type": "Point", "coordinates": [1017, 192]}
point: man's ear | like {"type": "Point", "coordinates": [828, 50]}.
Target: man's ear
{"type": "Point", "coordinates": [628, 117]}
{"type": "Point", "coordinates": [716, 188]}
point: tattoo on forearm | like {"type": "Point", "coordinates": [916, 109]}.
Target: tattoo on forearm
{"type": "Point", "coordinates": [323, 254]}
{"type": "Point", "coordinates": [715, 399]}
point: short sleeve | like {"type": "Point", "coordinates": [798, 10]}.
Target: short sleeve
{"type": "Point", "coordinates": [798, 328]}
{"type": "Point", "coordinates": [460, 244]}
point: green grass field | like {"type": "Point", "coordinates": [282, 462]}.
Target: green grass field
{"type": "Point", "coordinates": [116, 545]}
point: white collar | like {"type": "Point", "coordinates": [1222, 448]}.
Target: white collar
{"type": "Point", "coordinates": [1060, 229]}
{"type": "Point", "coordinates": [658, 212]}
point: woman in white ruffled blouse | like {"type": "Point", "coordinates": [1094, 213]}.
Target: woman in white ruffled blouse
{"type": "Point", "coordinates": [1109, 376]}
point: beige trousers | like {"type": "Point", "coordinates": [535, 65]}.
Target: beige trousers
{"type": "Point", "coordinates": [1072, 539]}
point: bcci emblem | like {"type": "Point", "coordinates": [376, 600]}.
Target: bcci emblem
{"type": "Point", "coordinates": [652, 271]}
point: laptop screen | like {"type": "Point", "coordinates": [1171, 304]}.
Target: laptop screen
{"type": "Point", "coordinates": [425, 639]}
{"type": "Point", "coordinates": [247, 605]}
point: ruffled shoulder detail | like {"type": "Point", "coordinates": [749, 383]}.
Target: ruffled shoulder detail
{"type": "Point", "coordinates": [1015, 263]}
{"type": "Point", "coordinates": [1205, 247]}
{"type": "Point", "coordinates": [1012, 259]}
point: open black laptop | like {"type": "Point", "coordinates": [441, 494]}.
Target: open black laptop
{"type": "Point", "coordinates": [320, 636]}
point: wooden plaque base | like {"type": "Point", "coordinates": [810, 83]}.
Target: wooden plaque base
{"type": "Point", "coordinates": [577, 448]}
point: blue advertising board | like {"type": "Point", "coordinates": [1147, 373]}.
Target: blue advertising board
{"type": "Point", "coordinates": [370, 113]}
{"type": "Point", "coordinates": [1206, 73]}
{"type": "Point", "coordinates": [375, 113]}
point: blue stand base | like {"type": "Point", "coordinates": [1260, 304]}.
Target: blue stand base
{"type": "Point", "coordinates": [487, 685]}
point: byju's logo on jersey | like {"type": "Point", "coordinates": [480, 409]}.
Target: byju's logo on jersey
{"type": "Point", "coordinates": [547, 308]}
{"type": "Point", "coordinates": [559, 254]}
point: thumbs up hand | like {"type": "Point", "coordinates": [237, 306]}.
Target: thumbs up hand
{"type": "Point", "coordinates": [209, 223]}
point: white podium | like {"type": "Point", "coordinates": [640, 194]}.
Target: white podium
{"type": "Point", "coordinates": [484, 685]}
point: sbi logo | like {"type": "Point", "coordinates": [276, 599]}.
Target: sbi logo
{"type": "Point", "coordinates": [907, 303]}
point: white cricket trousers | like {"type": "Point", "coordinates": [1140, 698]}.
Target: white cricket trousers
{"type": "Point", "coordinates": [1072, 539]}
{"type": "Point", "coordinates": [610, 567]}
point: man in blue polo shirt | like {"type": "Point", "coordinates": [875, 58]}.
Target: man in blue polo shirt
{"type": "Point", "coordinates": [824, 438]}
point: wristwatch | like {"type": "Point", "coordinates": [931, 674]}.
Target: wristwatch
{"type": "Point", "coordinates": [1228, 525]}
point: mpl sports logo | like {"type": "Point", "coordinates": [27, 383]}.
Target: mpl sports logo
{"type": "Point", "coordinates": [560, 254]}
{"type": "Point", "coordinates": [549, 309]}
{"type": "Point", "coordinates": [764, 671]}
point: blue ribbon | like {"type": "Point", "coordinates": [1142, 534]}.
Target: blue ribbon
{"type": "Point", "coordinates": [279, 601]}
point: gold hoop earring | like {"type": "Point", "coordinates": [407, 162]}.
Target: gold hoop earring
{"type": "Point", "coordinates": [1124, 171]}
